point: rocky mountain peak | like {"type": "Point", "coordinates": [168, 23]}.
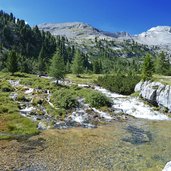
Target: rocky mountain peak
{"type": "Point", "coordinates": [78, 31]}
{"type": "Point", "coordinates": [70, 30]}
{"type": "Point", "coordinates": [157, 36]}
{"type": "Point", "coordinates": [160, 29]}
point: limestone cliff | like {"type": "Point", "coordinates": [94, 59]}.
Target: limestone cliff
{"type": "Point", "coordinates": [155, 92]}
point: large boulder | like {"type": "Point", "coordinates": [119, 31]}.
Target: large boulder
{"type": "Point", "coordinates": [167, 167]}
{"type": "Point", "coordinates": [163, 96]}
{"type": "Point", "coordinates": [148, 91]}
{"type": "Point", "coordinates": [138, 86]}
{"type": "Point", "coordinates": [155, 92]}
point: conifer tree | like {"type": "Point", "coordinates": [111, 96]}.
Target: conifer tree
{"type": "Point", "coordinates": [162, 65]}
{"type": "Point", "coordinates": [147, 68]}
{"type": "Point", "coordinates": [77, 65]}
{"type": "Point", "coordinates": [23, 64]}
{"type": "Point", "coordinates": [1, 47]}
{"type": "Point", "coordinates": [68, 67]}
{"type": "Point", "coordinates": [57, 68]}
{"type": "Point", "coordinates": [12, 62]}
{"type": "Point", "coordinates": [41, 61]}
{"type": "Point", "coordinates": [96, 67]}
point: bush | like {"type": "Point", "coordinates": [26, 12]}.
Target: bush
{"type": "Point", "coordinates": [121, 84]}
{"type": "Point", "coordinates": [65, 98]}
{"type": "Point", "coordinates": [96, 99]}
{"type": "Point", "coordinates": [6, 87]}
{"type": "Point", "coordinates": [3, 109]}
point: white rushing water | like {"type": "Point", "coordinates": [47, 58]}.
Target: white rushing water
{"type": "Point", "coordinates": [103, 114]}
{"type": "Point", "coordinates": [29, 91]}
{"type": "Point", "coordinates": [132, 106]}
{"type": "Point", "coordinates": [79, 116]}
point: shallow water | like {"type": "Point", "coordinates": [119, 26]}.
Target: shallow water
{"type": "Point", "coordinates": [150, 155]}
{"type": "Point", "coordinates": [135, 145]}
{"type": "Point", "coordinates": [109, 151]}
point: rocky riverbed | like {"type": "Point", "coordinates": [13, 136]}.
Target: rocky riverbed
{"type": "Point", "coordinates": [82, 116]}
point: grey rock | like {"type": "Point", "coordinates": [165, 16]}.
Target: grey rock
{"type": "Point", "coordinates": [138, 86]}
{"type": "Point", "coordinates": [155, 92]}
{"type": "Point", "coordinates": [70, 30]}
{"type": "Point", "coordinates": [42, 126]}
{"type": "Point", "coordinates": [167, 167]}
{"type": "Point", "coordinates": [60, 125]}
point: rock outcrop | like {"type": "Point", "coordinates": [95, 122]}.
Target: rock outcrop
{"type": "Point", "coordinates": [155, 92]}
{"type": "Point", "coordinates": [167, 167]}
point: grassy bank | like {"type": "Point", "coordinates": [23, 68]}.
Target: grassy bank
{"type": "Point", "coordinates": [84, 78]}
{"type": "Point", "coordinates": [64, 98]}
{"type": "Point", "coordinates": [12, 124]}
{"type": "Point", "coordinates": [162, 79]}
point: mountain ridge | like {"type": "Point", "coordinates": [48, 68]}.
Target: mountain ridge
{"type": "Point", "coordinates": [159, 36]}
{"type": "Point", "coordinates": [56, 28]}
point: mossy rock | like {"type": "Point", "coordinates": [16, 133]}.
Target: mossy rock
{"type": "Point", "coordinates": [155, 87]}
{"type": "Point", "coordinates": [6, 87]}
{"type": "Point", "coordinates": [37, 101]}
{"type": "Point", "coordinates": [21, 97]}
{"type": "Point", "coordinates": [39, 112]}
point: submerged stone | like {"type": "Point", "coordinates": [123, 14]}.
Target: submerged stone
{"type": "Point", "coordinates": [138, 135]}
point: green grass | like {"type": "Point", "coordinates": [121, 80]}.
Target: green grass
{"type": "Point", "coordinates": [84, 78]}
{"type": "Point", "coordinates": [166, 80]}
{"type": "Point", "coordinates": [12, 124]}
{"type": "Point", "coordinates": [135, 94]}
{"type": "Point", "coordinates": [5, 86]}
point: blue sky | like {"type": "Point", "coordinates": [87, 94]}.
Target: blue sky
{"type": "Point", "coordinates": [133, 16]}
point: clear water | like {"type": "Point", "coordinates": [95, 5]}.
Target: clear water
{"type": "Point", "coordinates": [135, 145]}
{"type": "Point", "coordinates": [129, 152]}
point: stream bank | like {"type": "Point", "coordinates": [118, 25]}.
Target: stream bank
{"type": "Point", "coordinates": [84, 115]}
{"type": "Point", "coordinates": [141, 143]}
